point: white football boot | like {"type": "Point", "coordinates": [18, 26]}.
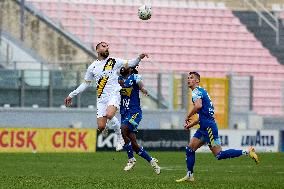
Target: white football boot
{"type": "Point", "coordinates": [156, 167]}
{"type": "Point", "coordinates": [130, 164]}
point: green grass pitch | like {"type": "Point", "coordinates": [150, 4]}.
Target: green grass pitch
{"type": "Point", "coordinates": [105, 170]}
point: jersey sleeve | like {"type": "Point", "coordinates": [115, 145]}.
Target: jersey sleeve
{"type": "Point", "coordinates": [131, 63]}
{"type": "Point", "coordinates": [119, 63]}
{"type": "Point", "coordinates": [137, 78]}
{"type": "Point", "coordinates": [196, 94]}
{"type": "Point", "coordinates": [89, 76]}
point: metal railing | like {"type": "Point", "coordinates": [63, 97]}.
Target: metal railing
{"type": "Point", "coordinates": [259, 8]}
{"type": "Point", "coordinates": [48, 88]}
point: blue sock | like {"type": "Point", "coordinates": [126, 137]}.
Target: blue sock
{"type": "Point", "coordinates": [190, 159]}
{"type": "Point", "coordinates": [144, 154]}
{"type": "Point", "coordinates": [231, 153]}
{"type": "Point", "coordinates": [129, 150]}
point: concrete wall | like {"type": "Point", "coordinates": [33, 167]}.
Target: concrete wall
{"type": "Point", "coordinates": [40, 34]}
{"type": "Point", "coordinates": [86, 118]}
{"type": "Point", "coordinates": [82, 117]}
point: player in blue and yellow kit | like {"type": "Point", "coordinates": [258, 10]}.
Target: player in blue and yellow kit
{"type": "Point", "coordinates": [131, 115]}
{"type": "Point", "coordinates": [208, 131]}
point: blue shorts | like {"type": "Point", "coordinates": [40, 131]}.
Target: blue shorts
{"type": "Point", "coordinates": [132, 120]}
{"type": "Point", "coordinates": [209, 135]}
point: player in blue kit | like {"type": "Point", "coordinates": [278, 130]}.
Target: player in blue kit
{"type": "Point", "coordinates": [208, 131]}
{"type": "Point", "coordinates": [131, 115]}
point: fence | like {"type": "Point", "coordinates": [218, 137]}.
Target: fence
{"type": "Point", "coordinates": [45, 88]}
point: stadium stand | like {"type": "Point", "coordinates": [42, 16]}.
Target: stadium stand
{"type": "Point", "coordinates": [263, 32]}
{"type": "Point", "coordinates": [210, 40]}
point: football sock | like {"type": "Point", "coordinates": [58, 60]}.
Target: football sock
{"type": "Point", "coordinates": [245, 152]}
{"type": "Point", "coordinates": [129, 150]}
{"type": "Point", "coordinates": [231, 153]}
{"type": "Point", "coordinates": [189, 174]}
{"type": "Point", "coordinates": [190, 160]}
{"type": "Point", "coordinates": [144, 154]}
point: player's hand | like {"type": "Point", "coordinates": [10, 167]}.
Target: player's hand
{"type": "Point", "coordinates": [145, 92]}
{"type": "Point", "coordinates": [186, 124]}
{"type": "Point", "coordinates": [68, 101]}
{"type": "Point", "coordinates": [141, 56]}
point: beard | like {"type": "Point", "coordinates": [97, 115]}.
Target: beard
{"type": "Point", "coordinates": [105, 54]}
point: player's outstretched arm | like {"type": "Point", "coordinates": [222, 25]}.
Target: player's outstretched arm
{"type": "Point", "coordinates": [135, 62]}
{"type": "Point", "coordinates": [81, 88]}
{"type": "Point", "coordinates": [143, 55]}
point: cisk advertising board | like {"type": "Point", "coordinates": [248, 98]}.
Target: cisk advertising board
{"type": "Point", "coordinates": [262, 140]}
{"type": "Point", "coordinates": [47, 140]}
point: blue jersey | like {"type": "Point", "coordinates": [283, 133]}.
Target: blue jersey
{"type": "Point", "coordinates": [130, 101]}
{"type": "Point", "coordinates": [206, 113]}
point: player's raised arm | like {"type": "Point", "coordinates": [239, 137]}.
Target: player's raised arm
{"type": "Point", "coordinates": [130, 63]}
{"type": "Point", "coordinates": [134, 62]}
{"type": "Point", "coordinates": [81, 88]}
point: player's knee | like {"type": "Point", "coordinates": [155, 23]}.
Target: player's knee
{"type": "Point", "coordinates": [109, 116]}
{"type": "Point", "coordinates": [101, 127]}
{"type": "Point", "coordinates": [193, 145]}
{"type": "Point", "coordinates": [135, 147]}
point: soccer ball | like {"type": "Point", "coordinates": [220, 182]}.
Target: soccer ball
{"type": "Point", "coordinates": [145, 12]}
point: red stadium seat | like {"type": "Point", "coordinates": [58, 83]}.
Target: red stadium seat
{"type": "Point", "coordinates": [209, 40]}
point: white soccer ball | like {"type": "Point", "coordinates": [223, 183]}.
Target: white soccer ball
{"type": "Point", "coordinates": [145, 12]}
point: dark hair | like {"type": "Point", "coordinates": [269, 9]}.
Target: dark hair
{"type": "Point", "coordinates": [97, 46]}
{"type": "Point", "coordinates": [196, 75]}
{"type": "Point", "coordinates": [124, 71]}
{"type": "Point", "coordinates": [134, 70]}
